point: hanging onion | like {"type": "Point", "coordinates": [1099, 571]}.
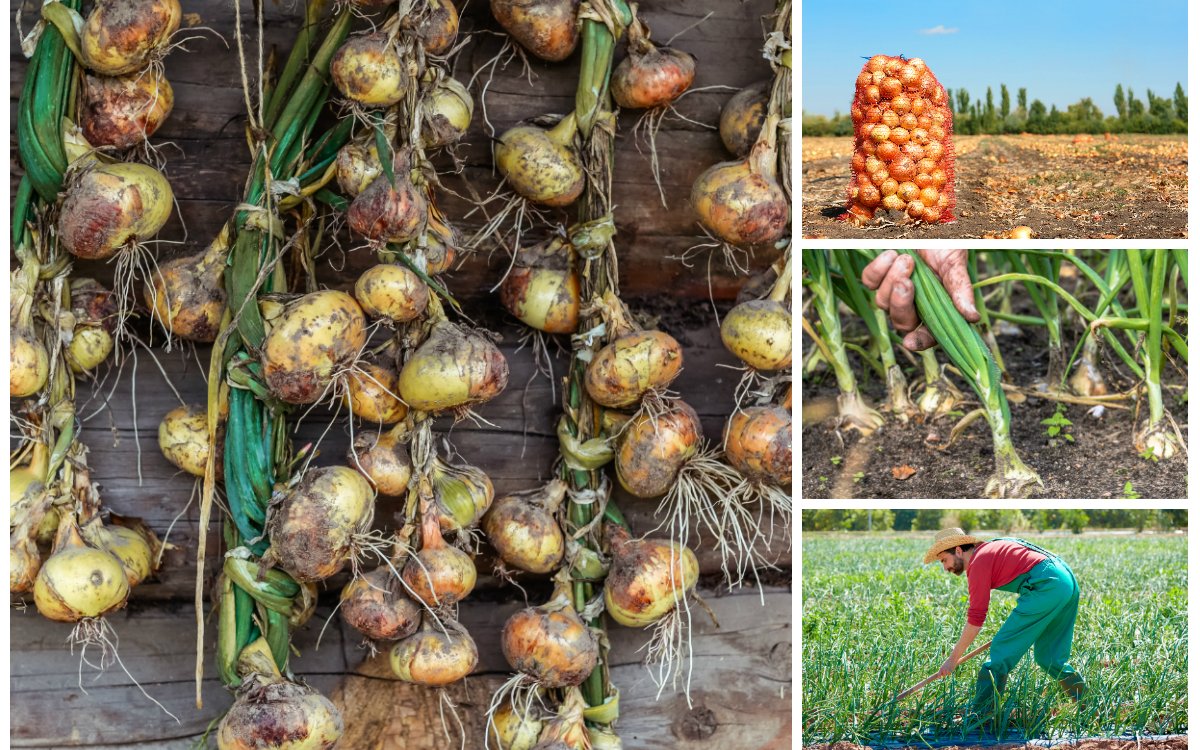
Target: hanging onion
{"type": "Point", "coordinates": [383, 459]}
{"type": "Point", "coordinates": [653, 449]}
{"type": "Point", "coordinates": [95, 315]}
{"type": "Point", "coordinates": [624, 370]}
{"type": "Point", "coordinates": [446, 113]}
{"type": "Point", "coordinates": [547, 28]}
{"type": "Point", "coordinates": [358, 161]}
{"type": "Point", "coordinates": [651, 76]}
{"type": "Point", "coordinates": [187, 297]}
{"type": "Point", "coordinates": [511, 730]}
{"type": "Point", "coordinates": [126, 110]}
{"type": "Point", "coordinates": [387, 212]}
{"type": "Point", "coordinates": [121, 36]}
{"type": "Point", "coordinates": [461, 493]}
{"type": "Point", "coordinates": [455, 367]}
{"type": "Point", "coordinates": [542, 288]}
{"type": "Point", "coordinates": [130, 541]}
{"type": "Point", "coordinates": [374, 605]}
{"type": "Point", "coordinates": [312, 339]}
{"type": "Point", "coordinates": [758, 443]}
{"type": "Point", "coordinates": [542, 165]}
{"type": "Point", "coordinates": [438, 574]}
{"type": "Point", "coordinates": [274, 714]}
{"type": "Point", "coordinates": [391, 291]}
{"type": "Point", "coordinates": [759, 332]}
{"type": "Point", "coordinates": [313, 525]}
{"type": "Point", "coordinates": [551, 643]}
{"type": "Point", "coordinates": [110, 206]}
{"type": "Point", "coordinates": [647, 579]}
{"type": "Point", "coordinates": [523, 530]}
{"type": "Point", "coordinates": [742, 202]}
{"type": "Point", "coordinates": [367, 68]}
{"type": "Point", "coordinates": [183, 438]}
{"type": "Point", "coordinates": [439, 28]}
{"type": "Point", "coordinates": [371, 392]}
{"type": "Point", "coordinates": [742, 118]}
{"type": "Point", "coordinates": [78, 581]}
{"type": "Point", "coordinates": [435, 655]}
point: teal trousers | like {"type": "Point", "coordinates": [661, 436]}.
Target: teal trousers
{"type": "Point", "coordinates": [1044, 619]}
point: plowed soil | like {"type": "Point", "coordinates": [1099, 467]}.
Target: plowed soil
{"type": "Point", "coordinates": [1061, 186]}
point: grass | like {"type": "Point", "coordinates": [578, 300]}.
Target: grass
{"type": "Point", "coordinates": [876, 622]}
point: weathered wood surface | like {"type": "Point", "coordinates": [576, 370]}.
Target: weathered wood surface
{"type": "Point", "coordinates": [741, 686]}
{"type": "Point", "coordinates": [209, 162]}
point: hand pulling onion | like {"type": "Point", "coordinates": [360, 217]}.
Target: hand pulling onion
{"type": "Point", "coordinates": [758, 443]}
{"type": "Point", "coordinates": [627, 368]}
{"type": "Point", "coordinates": [121, 36]}
{"type": "Point", "coordinates": [124, 111]}
{"type": "Point", "coordinates": [374, 605]}
{"type": "Point", "coordinates": [523, 530]}
{"type": "Point", "coordinates": [653, 448]}
{"type": "Point", "coordinates": [647, 579]}
{"type": "Point", "coordinates": [742, 202]}
{"type": "Point", "coordinates": [110, 206]}
{"type": "Point", "coordinates": [384, 460]}
{"type": "Point", "coordinates": [79, 581]}
{"type": "Point", "coordinates": [314, 524]}
{"type": "Point", "coordinates": [434, 656]}
{"type": "Point", "coordinates": [438, 574]}
{"type": "Point", "coordinates": [367, 68]}
{"type": "Point", "coordinates": [542, 288]}
{"type": "Point", "coordinates": [391, 291]}
{"type": "Point", "coordinates": [386, 212]}
{"type": "Point", "coordinates": [314, 337]}
{"type": "Point", "coordinates": [551, 643]}
{"type": "Point", "coordinates": [454, 367]}
{"type": "Point", "coordinates": [542, 165]}
{"type": "Point", "coordinates": [547, 28]}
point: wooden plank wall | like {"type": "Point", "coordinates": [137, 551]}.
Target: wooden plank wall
{"type": "Point", "coordinates": [741, 683]}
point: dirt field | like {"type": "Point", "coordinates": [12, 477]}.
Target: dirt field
{"type": "Point", "coordinates": [1132, 187]}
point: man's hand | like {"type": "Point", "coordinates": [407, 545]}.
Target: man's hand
{"type": "Point", "coordinates": [947, 667]}
{"type": "Point", "coordinates": [890, 276]}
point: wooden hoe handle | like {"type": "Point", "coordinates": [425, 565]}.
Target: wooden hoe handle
{"type": "Point", "coordinates": [932, 677]}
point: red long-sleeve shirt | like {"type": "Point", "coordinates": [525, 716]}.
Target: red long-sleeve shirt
{"type": "Point", "coordinates": [995, 564]}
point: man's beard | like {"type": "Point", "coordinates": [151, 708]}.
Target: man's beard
{"type": "Point", "coordinates": [959, 566]}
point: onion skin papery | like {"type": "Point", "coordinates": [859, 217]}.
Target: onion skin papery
{"type": "Point", "coordinates": [439, 28]}
{"type": "Point", "coordinates": [183, 438]}
{"type": "Point", "coordinates": [384, 212]}
{"type": "Point", "coordinates": [24, 562]}
{"type": "Point", "coordinates": [434, 658]}
{"type": "Point", "coordinates": [391, 291]}
{"type": "Point", "coordinates": [651, 76]}
{"type": "Point", "coordinates": [742, 118]}
{"type": "Point", "coordinates": [358, 161]}
{"type": "Point", "coordinates": [312, 338]}
{"type": "Point", "coordinates": [654, 448]}
{"type": "Point", "coordinates": [134, 550]}
{"type": "Point", "coordinates": [111, 206]}
{"type": "Point", "coordinates": [441, 243]}
{"type": "Point", "coordinates": [371, 394]}
{"type": "Point", "coordinates": [384, 460]}
{"type": "Point", "coordinates": [462, 495]}
{"type": "Point", "coordinates": [439, 575]}
{"type": "Point", "coordinates": [95, 313]}
{"type": "Point", "coordinates": [542, 289]}
{"type": "Point", "coordinates": [187, 297]}
{"type": "Point", "coordinates": [547, 28]}
{"type": "Point", "coordinates": [313, 526]}
{"type": "Point", "coordinates": [647, 578]}
{"type": "Point", "coordinates": [758, 443]}
{"type": "Point", "coordinates": [121, 36]}
{"type": "Point", "coordinates": [89, 347]}
{"type": "Point", "coordinates": [374, 605]}
{"type": "Point", "coordinates": [279, 715]}
{"type": "Point", "coordinates": [624, 370]}
{"type": "Point", "coordinates": [551, 643]}
{"type": "Point", "coordinates": [447, 114]}
{"type": "Point", "coordinates": [368, 70]}
{"type": "Point", "coordinates": [567, 730]}
{"type": "Point", "coordinates": [28, 364]}
{"type": "Point", "coordinates": [79, 581]}
{"type": "Point", "coordinates": [742, 202]}
{"type": "Point", "coordinates": [542, 165]}
{"type": "Point", "coordinates": [523, 530]}
{"type": "Point", "coordinates": [124, 111]}
{"type": "Point", "coordinates": [511, 731]}
{"type": "Point", "coordinates": [454, 367]}
{"type": "Point", "coordinates": [759, 333]}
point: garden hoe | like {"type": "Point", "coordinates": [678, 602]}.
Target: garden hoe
{"type": "Point", "coordinates": [904, 694]}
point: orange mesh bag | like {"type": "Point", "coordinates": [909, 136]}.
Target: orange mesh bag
{"type": "Point", "coordinates": [903, 143]}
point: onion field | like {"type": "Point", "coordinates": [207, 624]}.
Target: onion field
{"type": "Point", "coordinates": [876, 622]}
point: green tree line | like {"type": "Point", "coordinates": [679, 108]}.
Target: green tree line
{"type": "Point", "coordinates": [1156, 114]}
{"type": "Point", "coordinates": [1007, 521]}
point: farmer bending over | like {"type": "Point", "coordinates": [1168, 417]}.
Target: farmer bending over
{"type": "Point", "coordinates": [890, 275]}
{"type": "Point", "coordinates": [1044, 618]}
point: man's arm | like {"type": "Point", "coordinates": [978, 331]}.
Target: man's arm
{"type": "Point", "coordinates": [970, 632]}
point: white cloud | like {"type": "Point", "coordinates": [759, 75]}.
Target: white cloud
{"type": "Point", "coordinates": [939, 30]}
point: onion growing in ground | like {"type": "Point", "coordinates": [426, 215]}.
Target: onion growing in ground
{"type": "Point", "coordinates": [314, 526]}
{"type": "Point", "coordinates": [654, 447]}
{"type": "Point", "coordinates": [186, 295]}
{"type": "Point", "coordinates": [183, 438]}
{"type": "Point", "coordinates": [547, 28]}
{"type": "Point", "coordinates": [542, 165]}
{"type": "Point", "coordinates": [758, 443]}
{"type": "Point", "coordinates": [387, 212]}
{"type": "Point", "coordinates": [314, 338]}
{"type": "Point", "coordinates": [627, 368]}
{"type": "Point", "coordinates": [759, 333]}
{"type": "Point", "coordinates": [111, 206]}
{"type": "Point", "coordinates": [435, 655]}
{"type": "Point", "coordinates": [648, 578]}
{"type": "Point", "coordinates": [438, 574]}
{"type": "Point", "coordinates": [454, 367]}
{"type": "Point", "coordinates": [461, 493]}
{"type": "Point", "coordinates": [367, 69]}
{"type": "Point", "coordinates": [121, 36]}
{"type": "Point", "coordinates": [742, 118]}
{"type": "Point", "coordinates": [371, 392]}
{"type": "Point", "coordinates": [542, 288]}
{"type": "Point", "coordinates": [384, 460]}
{"type": "Point", "coordinates": [375, 605]}
{"type": "Point", "coordinates": [551, 643]}
{"type": "Point", "coordinates": [650, 76]}
{"type": "Point", "coordinates": [523, 530]}
{"type": "Point", "coordinates": [95, 315]}
{"type": "Point", "coordinates": [446, 113]}
{"type": "Point", "coordinates": [78, 581]}
{"type": "Point", "coordinates": [391, 291]}
{"type": "Point", "coordinates": [124, 111]}
{"type": "Point", "coordinates": [742, 202]}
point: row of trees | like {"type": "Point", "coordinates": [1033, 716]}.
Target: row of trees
{"type": "Point", "coordinates": [973, 117]}
{"type": "Point", "coordinates": [1006, 521]}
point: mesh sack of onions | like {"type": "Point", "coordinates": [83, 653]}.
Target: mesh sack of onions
{"type": "Point", "coordinates": [903, 150]}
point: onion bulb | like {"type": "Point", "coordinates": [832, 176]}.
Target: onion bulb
{"type": "Point", "coordinates": [446, 113]}
{"type": "Point", "coordinates": [386, 212]}
{"type": "Point", "coordinates": [551, 643]}
{"type": "Point", "coordinates": [439, 28]}
{"type": "Point", "coordinates": [110, 206]}
{"type": "Point", "coordinates": [542, 288]}
{"type": "Point", "coordinates": [95, 312]}
{"type": "Point", "coordinates": [758, 443]}
{"type": "Point", "coordinates": [358, 161]}
{"type": "Point", "coordinates": [28, 365]}
{"type": "Point", "coordinates": [441, 244]}
{"type": "Point", "coordinates": [742, 202]}
{"type": "Point", "coordinates": [313, 526]}
{"type": "Point", "coordinates": [742, 118]}
{"type": "Point", "coordinates": [547, 28]}
{"type": "Point", "coordinates": [371, 393]}
{"type": "Point", "coordinates": [542, 165]}
{"type": "Point", "coordinates": [567, 730]}
{"type": "Point", "coordinates": [647, 579]}
{"type": "Point", "coordinates": [275, 714]}
{"type": "Point", "coordinates": [24, 558]}
{"type": "Point", "coordinates": [121, 36]}
{"type": "Point", "coordinates": [313, 337]}
{"type": "Point", "coordinates": [183, 438]}
{"type": "Point", "coordinates": [759, 332]}
{"type": "Point", "coordinates": [367, 69]}
{"type": "Point", "coordinates": [384, 460]}
{"type": "Point", "coordinates": [438, 574]}
{"type": "Point", "coordinates": [455, 367]}
{"type": "Point", "coordinates": [627, 368]}
{"type": "Point", "coordinates": [523, 530]}
{"type": "Point", "coordinates": [78, 581]}
{"type": "Point", "coordinates": [128, 540]}
{"type": "Point", "coordinates": [435, 656]}
{"type": "Point", "coordinates": [511, 730]}
{"type": "Point", "coordinates": [461, 493]}
{"type": "Point", "coordinates": [651, 76]}
{"type": "Point", "coordinates": [374, 605]}
{"type": "Point", "coordinates": [654, 448]}
{"type": "Point", "coordinates": [124, 111]}
{"type": "Point", "coordinates": [391, 291]}
{"type": "Point", "coordinates": [186, 295]}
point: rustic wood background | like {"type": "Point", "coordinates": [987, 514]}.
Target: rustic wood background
{"type": "Point", "coordinates": [741, 691]}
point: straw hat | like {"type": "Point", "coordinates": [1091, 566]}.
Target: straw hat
{"type": "Point", "coordinates": [948, 539]}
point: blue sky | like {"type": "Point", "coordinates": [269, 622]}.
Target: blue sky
{"type": "Point", "coordinates": [1060, 50]}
